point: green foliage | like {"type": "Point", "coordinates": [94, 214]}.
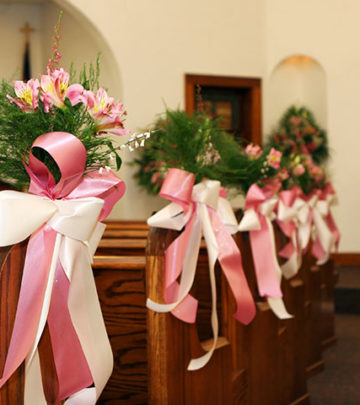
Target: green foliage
{"type": "Point", "coordinates": [18, 130]}
{"type": "Point", "coordinates": [240, 171]}
{"type": "Point", "coordinates": [299, 133]}
{"type": "Point", "coordinates": [190, 142]}
{"type": "Point", "coordinates": [312, 176]}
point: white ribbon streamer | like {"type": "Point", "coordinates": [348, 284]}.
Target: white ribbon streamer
{"type": "Point", "coordinates": [322, 231]}
{"type": "Point", "coordinates": [285, 213]}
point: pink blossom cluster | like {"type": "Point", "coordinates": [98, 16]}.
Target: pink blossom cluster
{"type": "Point", "coordinates": [316, 172]}
{"type": "Point", "coordinates": [54, 88]}
{"type": "Point", "coordinates": [253, 151]}
{"type": "Point", "coordinates": [274, 158]}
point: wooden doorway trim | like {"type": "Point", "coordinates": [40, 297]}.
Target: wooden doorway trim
{"type": "Point", "coordinates": [251, 84]}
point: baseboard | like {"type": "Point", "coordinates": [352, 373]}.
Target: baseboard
{"type": "Point", "coordinates": [346, 259]}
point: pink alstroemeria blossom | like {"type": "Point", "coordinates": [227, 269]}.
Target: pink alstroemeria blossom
{"type": "Point", "coordinates": [274, 158]}
{"type": "Point", "coordinates": [283, 174]}
{"type": "Point", "coordinates": [55, 88]}
{"type": "Point", "coordinates": [316, 172]}
{"type": "Point", "coordinates": [107, 114]}
{"type": "Point", "coordinates": [253, 151]}
{"type": "Point", "coordinates": [298, 170]}
{"type": "Point", "coordinates": [27, 93]}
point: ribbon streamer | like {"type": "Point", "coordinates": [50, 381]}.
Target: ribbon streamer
{"type": "Point", "coordinates": [57, 284]}
{"type": "Point", "coordinates": [200, 210]}
{"type": "Point", "coordinates": [326, 236]}
{"type": "Point", "coordinates": [287, 219]}
{"type": "Point", "coordinates": [259, 212]}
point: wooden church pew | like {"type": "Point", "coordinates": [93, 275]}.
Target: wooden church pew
{"type": "Point", "coordinates": [172, 343]}
{"type": "Point", "coordinates": [329, 280]}
{"type": "Point", "coordinates": [121, 247]}
{"type": "Point", "coordinates": [121, 288]}
{"type": "Point", "coordinates": [126, 229]}
{"type": "Point", "coordinates": [311, 276]}
{"type": "Point", "coordinates": [291, 334]}
{"type": "Point", "coordinates": [12, 261]}
{"type": "Point", "coordinates": [275, 344]}
{"type": "Point", "coordinates": [126, 233]}
{"type": "Point", "coordinates": [268, 354]}
{"type": "Point", "coordinates": [120, 282]}
{"type": "Point", "coordinates": [252, 365]}
{"type": "Point", "coordinates": [127, 224]}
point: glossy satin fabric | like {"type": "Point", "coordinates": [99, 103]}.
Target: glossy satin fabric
{"type": "Point", "coordinates": [201, 210]}
{"type": "Point", "coordinates": [54, 216]}
{"type": "Point", "coordinates": [260, 205]}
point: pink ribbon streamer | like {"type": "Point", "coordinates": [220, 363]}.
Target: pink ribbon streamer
{"type": "Point", "coordinates": [329, 190]}
{"type": "Point", "coordinates": [288, 198]}
{"type": "Point", "coordinates": [71, 366]}
{"type": "Point", "coordinates": [177, 187]}
{"type": "Point", "coordinates": [261, 245]}
{"type": "Point", "coordinates": [317, 248]}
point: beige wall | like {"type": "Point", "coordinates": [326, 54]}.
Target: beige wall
{"type": "Point", "coordinates": [149, 45]}
{"type": "Point", "coordinates": [156, 42]}
{"type": "Point", "coordinates": [12, 18]}
{"type": "Point", "coordinates": [327, 30]}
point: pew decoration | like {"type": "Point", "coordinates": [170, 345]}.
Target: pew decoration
{"type": "Point", "coordinates": [202, 210]}
{"type": "Point", "coordinates": [53, 135]}
{"type": "Point", "coordinates": [193, 143]}
{"type": "Point", "coordinates": [298, 133]}
{"type": "Point", "coordinates": [257, 220]}
{"type": "Point", "coordinates": [287, 185]}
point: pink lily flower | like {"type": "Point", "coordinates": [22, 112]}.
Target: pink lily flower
{"type": "Point", "coordinates": [27, 93]}
{"type": "Point", "coordinates": [55, 88]}
{"type": "Point", "coordinates": [253, 151]}
{"type": "Point", "coordinates": [108, 116]}
{"type": "Point", "coordinates": [274, 158]}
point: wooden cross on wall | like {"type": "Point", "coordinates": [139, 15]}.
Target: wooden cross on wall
{"type": "Point", "coordinates": [26, 73]}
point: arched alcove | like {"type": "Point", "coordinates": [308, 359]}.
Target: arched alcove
{"type": "Point", "coordinates": [80, 43]}
{"type": "Point", "coordinates": [296, 80]}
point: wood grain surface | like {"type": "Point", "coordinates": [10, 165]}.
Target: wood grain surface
{"type": "Point", "coordinates": [12, 261]}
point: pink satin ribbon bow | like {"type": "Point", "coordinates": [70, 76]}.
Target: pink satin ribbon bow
{"type": "Point", "coordinates": [199, 209]}
{"type": "Point", "coordinates": [259, 207]}
{"type": "Point", "coordinates": [287, 219]}
{"type": "Point", "coordinates": [69, 153]}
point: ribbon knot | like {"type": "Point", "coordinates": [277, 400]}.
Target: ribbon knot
{"type": "Point", "coordinates": [207, 192]}
{"type": "Point", "coordinates": [206, 213]}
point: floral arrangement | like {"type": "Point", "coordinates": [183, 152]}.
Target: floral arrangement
{"type": "Point", "coordinates": [299, 134]}
{"type": "Point", "coordinates": [54, 138]}
{"type": "Point", "coordinates": [193, 143]}
{"type": "Point", "coordinates": [54, 102]}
